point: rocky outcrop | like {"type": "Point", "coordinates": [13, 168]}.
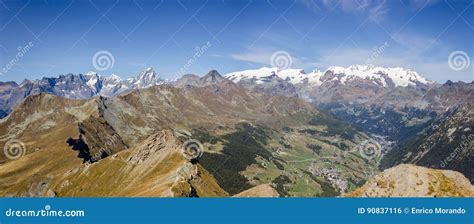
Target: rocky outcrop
{"type": "Point", "coordinates": [414, 181]}
{"type": "Point", "coordinates": [154, 168]}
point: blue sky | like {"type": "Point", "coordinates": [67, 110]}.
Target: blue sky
{"type": "Point", "coordinates": [191, 36]}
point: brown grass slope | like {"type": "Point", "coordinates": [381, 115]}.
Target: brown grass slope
{"type": "Point", "coordinates": [263, 190]}
{"type": "Point", "coordinates": [155, 168]}
{"type": "Point", "coordinates": [43, 123]}
{"type": "Point", "coordinates": [414, 181]}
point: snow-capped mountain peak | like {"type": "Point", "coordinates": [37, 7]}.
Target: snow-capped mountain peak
{"type": "Point", "coordinates": [114, 77]}
{"type": "Point", "coordinates": [298, 76]}
{"type": "Point", "coordinates": [386, 77]}
{"type": "Point", "coordinates": [251, 74]}
{"type": "Point", "coordinates": [91, 74]}
{"type": "Point", "coordinates": [397, 76]}
{"type": "Point", "coordinates": [294, 76]}
{"type": "Point", "coordinates": [146, 78]}
{"type": "Point", "coordinates": [92, 80]}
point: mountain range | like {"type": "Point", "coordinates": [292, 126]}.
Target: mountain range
{"type": "Point", "coordinates": [264, 132]}
{"type": "Point", "coordinates": [74, 86]}
{"type": "Point", "coordinates": [423, 121]}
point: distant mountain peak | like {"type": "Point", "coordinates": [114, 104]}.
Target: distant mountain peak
{"type": "Point", "coordinates": [147, 73]}
{"type": "Point", "coordinates": [9, 83]}
{"type": "Point", "coordinates": [146, 78]}
{"type": "Point", "coordinates": [91, 73]}
{"type": "Point", "coordinates": [448, 83]}
{"type": "Point", "coordinates": [385, 76]}
{"type": "Point", "coordinates": [115, 77]}
{"type": "Point", "coordinates": [25, 81]}
{"type": "Point", "coordinates": [213, 72]}
{"type": "Point", "coordinates": [399, 76]}
{"type": "Point", "coordinates": [212, 76]}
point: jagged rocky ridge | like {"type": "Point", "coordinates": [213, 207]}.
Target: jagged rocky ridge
{"type": "Point", "coordinates": [74, 86]}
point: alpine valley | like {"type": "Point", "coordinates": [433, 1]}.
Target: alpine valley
{"type": "Point", "coordinates": [360, 131]}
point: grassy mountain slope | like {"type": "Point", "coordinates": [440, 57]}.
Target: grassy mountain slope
{"type": "Point", "coordinates": [249, 139]}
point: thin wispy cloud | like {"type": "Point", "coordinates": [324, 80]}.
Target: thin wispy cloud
{"type": "Point", "coordinates": [415, 42]}
{"type": "Point", "coordinates": [263, 58]}
{"type": "Point", "coordinates": [374, 9]}
{"type": "Point", "coordinates": [254, 57]}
